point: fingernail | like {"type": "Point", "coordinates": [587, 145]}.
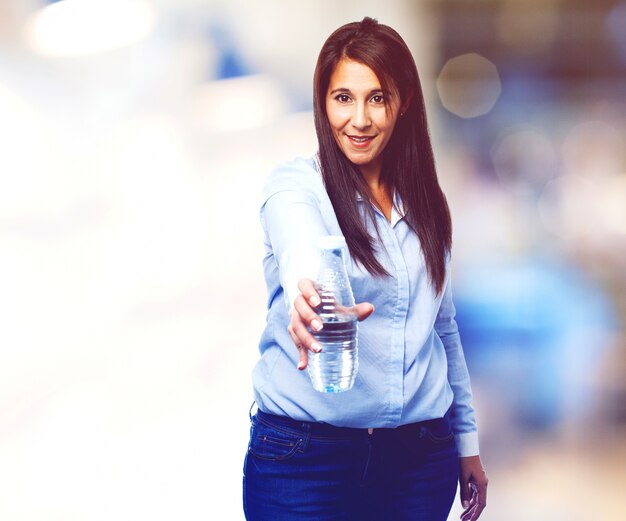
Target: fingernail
{"type": "Point", "coordinates": [316, 324]}
{"type": "Point", "coordinates": [300, 365]}
{"type": "Point", "coordinates": [465, 504]}
{"type": "Point", "coordinates": [316, 347]}
{"type": "Point", "coordinates": [314, 301]}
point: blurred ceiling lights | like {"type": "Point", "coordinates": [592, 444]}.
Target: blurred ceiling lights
{"type": "Point", "coordinates": [86, 27]}
{"type": "Point", "coordinates": [469, 85]}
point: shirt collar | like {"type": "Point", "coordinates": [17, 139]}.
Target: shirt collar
{"type": "Point", "coordinates": [398, 210]}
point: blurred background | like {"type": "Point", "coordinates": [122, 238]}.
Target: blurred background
{"type": "Point", "coordinates": [134, 138]}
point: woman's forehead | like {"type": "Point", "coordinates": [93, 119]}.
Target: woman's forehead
{"type": "Point", "coordinates": [352, 72]}
{"type": "Point", "coordinates": [354, 75]}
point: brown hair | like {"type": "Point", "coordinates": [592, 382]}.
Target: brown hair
{"type": "Point", "coordinates": [408, 161]}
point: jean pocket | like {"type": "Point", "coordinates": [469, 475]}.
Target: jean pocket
{"type": "Point", "coordinates": [271, 443]}
{"type": "Point", "coordinates": [439, 432]}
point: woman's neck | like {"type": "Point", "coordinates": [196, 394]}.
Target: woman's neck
{"type": "Point", "coordinates": [371, 172]}
{"type": "Point", "coordinates": [381, 197]}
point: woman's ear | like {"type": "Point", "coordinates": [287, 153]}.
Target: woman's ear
{"type": "Point", "coordinates": [406, 103]}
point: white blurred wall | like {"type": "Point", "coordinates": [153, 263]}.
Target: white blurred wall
{"type": "Point", "coordinates": [131, 293]}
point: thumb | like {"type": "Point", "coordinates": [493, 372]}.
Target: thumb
{"type": "Point", "coordinates": [363, 310]}
{"type": "Point", "coordinates": [465, 492]}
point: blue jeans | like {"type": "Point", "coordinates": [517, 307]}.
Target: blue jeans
{"type": "Point", "coordinates": [310, 471]}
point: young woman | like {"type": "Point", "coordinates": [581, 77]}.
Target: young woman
{"type": "Point", "coordinates": [395, 445]}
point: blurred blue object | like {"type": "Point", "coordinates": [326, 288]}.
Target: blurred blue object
{"type": "Point", "coordinates": [534, 333]}
{"type": "Point", "coordinates": [230, 63]}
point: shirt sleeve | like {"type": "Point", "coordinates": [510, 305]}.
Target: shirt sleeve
{"type": "Point", "coordinates": [291, 217]}
{"type": "Point", "coordinates": [462, 412]}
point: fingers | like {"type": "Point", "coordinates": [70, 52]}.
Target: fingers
{"type": "Point", "coordinates": [481, 498]}
{"type": "Point", "coordinates": [473, 513]}
{"type": "Point", "coordinates": [302, 351]}
{"type": "Point", "coordinates": [473, 481]}
{"type": "Point", "coordinates": [469, 505]}
{"type": "Point", "coordinates": [311, 299]}
{"type": "Point", "coordinates": [308, 291]}
{"type": "Point", "coordinates": [470, 514]}
{"type": "Point", "coordinates": [363, 310]}
{"type": "Point", "coordinates": [477, 501]}
{"type": "Point", "coordinates": [301, 335]}
{"type": "Point", "coordinates": [304, 308]}
{"type": "Point", "coordinates": [303, 320]}
{"type": "Point", "coordinates": [465, 490]}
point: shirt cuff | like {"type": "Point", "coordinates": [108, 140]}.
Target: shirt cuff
{"type": "Point", "coordinates": [467, 444]}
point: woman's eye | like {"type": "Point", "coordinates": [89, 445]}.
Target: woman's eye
{"type": "Point", "coordinates": [378, 98]}
{"type": "Point", "coordinates": [343, 98]}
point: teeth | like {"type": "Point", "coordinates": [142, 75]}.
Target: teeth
{"type": "Point", "coordinates": [359, 139]}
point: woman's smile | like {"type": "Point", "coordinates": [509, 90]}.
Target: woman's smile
{"type": "Point", "coordinates": [361, 115]}
{"type": "Point", "coordinates": [361, 141]}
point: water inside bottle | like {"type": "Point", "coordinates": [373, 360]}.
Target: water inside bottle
{"type": "Point", "coordinates": [334, 369]}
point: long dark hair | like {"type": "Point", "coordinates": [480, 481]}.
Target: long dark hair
{"type": "Point", "coordinates": [408, 162]}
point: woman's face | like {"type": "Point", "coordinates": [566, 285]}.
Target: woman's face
{"type": "Point", "coordinates": [361, 116]}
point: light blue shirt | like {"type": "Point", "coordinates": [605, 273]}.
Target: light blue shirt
{"type": "Point", "coordinates": [411, 362]}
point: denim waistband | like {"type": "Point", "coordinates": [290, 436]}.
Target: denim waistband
{"type": "Point", "coordinates": [325, 430]}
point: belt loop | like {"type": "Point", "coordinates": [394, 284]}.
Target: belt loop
{"type": "Point", "coordinates": [251, 407]}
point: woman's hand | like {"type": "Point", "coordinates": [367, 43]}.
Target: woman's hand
{"type": "Point", "coordinates": [303, 317]}
{"type": "Point", "coordinates": [473, 481]}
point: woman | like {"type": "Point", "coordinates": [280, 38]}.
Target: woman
{"type": "Point", "coordinates": [396, 444]}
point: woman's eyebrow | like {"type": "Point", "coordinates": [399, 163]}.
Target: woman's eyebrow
{"type": "Point", "coordinates": [340, 89]}
{"type": "Point", "coordinates": [346, 90]}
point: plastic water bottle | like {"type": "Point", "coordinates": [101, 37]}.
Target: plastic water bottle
{"type": "Point", "coordinates": [334, 369]}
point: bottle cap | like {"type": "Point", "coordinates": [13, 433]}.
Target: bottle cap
{"type": "Point", "coordinates": [332, 242]}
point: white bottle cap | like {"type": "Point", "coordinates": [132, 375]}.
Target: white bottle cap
{"type": "Point", "coordinates": [332, 242]}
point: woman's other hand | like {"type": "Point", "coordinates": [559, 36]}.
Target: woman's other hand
{"type": "Point", "coordinates": [303, 317]}
{"type": "Point", "coordinates": [473, 481]}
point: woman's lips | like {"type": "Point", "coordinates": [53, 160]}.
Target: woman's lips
{"type": "Point", "coordinates": [360, 141]}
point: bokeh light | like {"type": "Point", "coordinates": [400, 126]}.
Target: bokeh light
{"type": "Point", "coordinates": [594, 149]}
{"type": "Point", "coordinates": [84, 27]}
{"type": "Point", "coordinates": [524, 160]}
{"type": "Point", "coordinates": [567, 207]}
{"type": "Point", "coordinates": [577, 208]}
{"type": "Point", "coordinates": [469, 85]}
{"type": "Point", "coordinates": [612, 194]}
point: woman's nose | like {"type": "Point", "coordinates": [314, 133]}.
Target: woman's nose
{"type": "Point", "coordinates": [360, 116]}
